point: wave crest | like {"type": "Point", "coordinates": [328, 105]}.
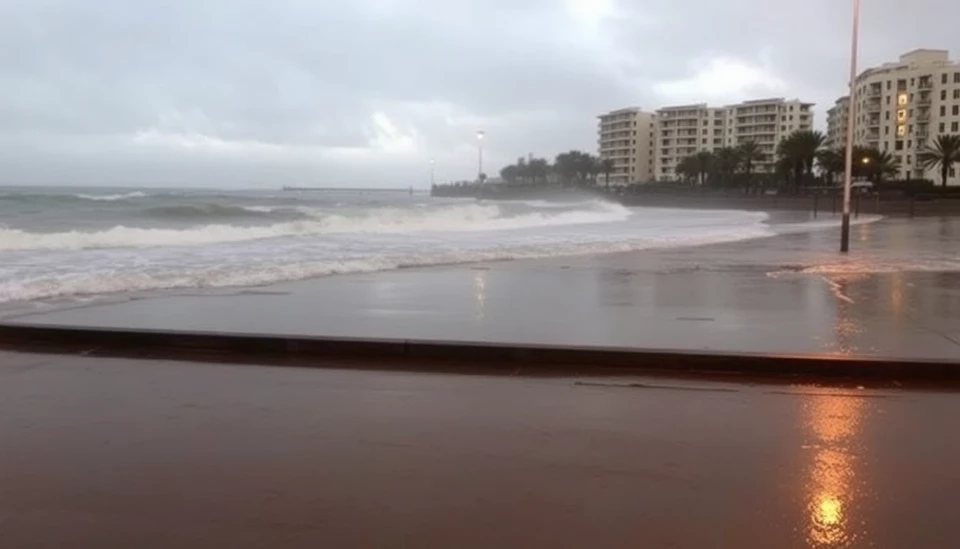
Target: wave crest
{"type": "Point", "coordinates": [474, 217]}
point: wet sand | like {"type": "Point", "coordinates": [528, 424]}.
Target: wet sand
{"type": "Point", "coordinates": [747, 296]}
{"type": "Point", "coordinates": [117, 453]}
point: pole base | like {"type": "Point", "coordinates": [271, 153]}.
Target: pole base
{"type": "Point", "coordinates": [845, 233]}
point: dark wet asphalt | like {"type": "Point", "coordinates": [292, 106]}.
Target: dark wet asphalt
{"type": "Point", "coordinates": [115, 453]}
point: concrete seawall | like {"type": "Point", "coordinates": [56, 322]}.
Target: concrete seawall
{"type": "Point", "coordinates": [467, 357]}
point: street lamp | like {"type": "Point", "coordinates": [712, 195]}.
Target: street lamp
{"type": "Point", "coordinates": [480, 135]}
{"type": "Point", "coordinates": [433, 164]}
{"type": "Point", "coordinates": [851, 120]}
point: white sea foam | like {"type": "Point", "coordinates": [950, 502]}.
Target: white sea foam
{"type": "Point", "coordinates": [111, 197]}
{"type": "Point", "coordinates": [474, 217]}
{"type": "Point", "coordinates": [254, 273]}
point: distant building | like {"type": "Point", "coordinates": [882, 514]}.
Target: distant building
{"type": "Point", "coordinates": [685, 130]}
{"type": "Point", "coordinates": [837, 117]}
{"type": "Point", "coordinates": [625, 136]}
{"type": "Point", "coordinates": [900, 106]}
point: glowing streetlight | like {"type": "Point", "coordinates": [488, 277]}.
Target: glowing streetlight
{"type": "Point", "coordinates": [851, 120]}
{"type": "Point", "coordinates": [480, 135]}
{"type": "Point", "coordinates": [433, 165]}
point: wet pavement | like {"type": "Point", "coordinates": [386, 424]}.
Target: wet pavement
{"type": "Point", "coordinates": [117, 453]}
{"type": "Point", "coordinates": [896, 295]}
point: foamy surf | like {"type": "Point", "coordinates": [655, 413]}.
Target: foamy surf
{"type": "Point", "coordinates": [474, 217]}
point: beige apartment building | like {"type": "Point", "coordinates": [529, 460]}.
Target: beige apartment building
{"type": "Point", "coordinates": [900, 106]}
{"type": "Point", "coordinates": [626, 137]}
{"type": "Point", "coordinates": [685, 130]}
{"type": "Point", "coordinates": [837, 123]}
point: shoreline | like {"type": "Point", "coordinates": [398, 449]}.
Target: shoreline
{"type": "Point", "coordinates": [787, 294]}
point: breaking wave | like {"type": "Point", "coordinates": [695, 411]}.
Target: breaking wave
{"type": "Point", "coordinates": [474, 217]}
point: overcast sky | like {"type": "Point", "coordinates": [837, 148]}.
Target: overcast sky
{"type": "Point", "coordinates": [365, 92]}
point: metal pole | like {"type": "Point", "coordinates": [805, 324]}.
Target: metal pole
{"type": "Point", "coordinates": [480, 135]}
{"type": "Point", "coordinates": [432, 172]}
{"type": "Point", "coordinates": [851, 120]}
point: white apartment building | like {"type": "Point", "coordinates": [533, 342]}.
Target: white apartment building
{"type": "Point", "coordinates": [837, 122]}
{"type": "Point", "coordinates": [685, 130]}
{"type": "Point", "coordinates": [626, 137]}
{"type": "Point", "coordinates": [900, 106]}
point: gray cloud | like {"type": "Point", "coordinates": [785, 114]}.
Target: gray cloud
{"type": "Point", "coordinates": [223, 92]}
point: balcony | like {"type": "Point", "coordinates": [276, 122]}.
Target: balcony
{"type": "Point", "coordinates": [923, 117]}
{"type": "Point", "coordinates": [873, 106]}
{"type": "Point", "coordinates": [925, 85]}
{"type": "Point", "coordinates": [873, 122]}
{"type": "Point", "coordinates": [924, 101]}
{"type": "Point", "coordinates": [874, 92]}
{"type": "Point", "coordinates": [922, 133]}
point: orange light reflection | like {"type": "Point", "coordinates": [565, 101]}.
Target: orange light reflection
{"type": "Point", "coordinates": [831, 493]}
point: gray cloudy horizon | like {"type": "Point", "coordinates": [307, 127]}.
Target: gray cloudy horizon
{"type": "Point", "coordinates": [244, 93]}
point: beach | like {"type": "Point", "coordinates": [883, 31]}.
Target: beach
{"type": "Point", "coordinates": [897, 294]}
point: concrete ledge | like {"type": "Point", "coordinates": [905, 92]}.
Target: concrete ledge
{"type": "Point", "coordinates": [457, 356]}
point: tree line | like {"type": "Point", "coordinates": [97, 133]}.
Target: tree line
{"type": "Point", "coordinates": [800, 155]}
{"type": "Point", "coordinates": [573, 167]}
{"type": "Point", "coordinates": [800, 160]}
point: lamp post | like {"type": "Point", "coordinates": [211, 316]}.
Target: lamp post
{"type": "Point", "coordinates": [480, 135]}
{"type": "Point", "coordinates": [851, 120]}
{"type": "Point", "coordinates": [433, 164]}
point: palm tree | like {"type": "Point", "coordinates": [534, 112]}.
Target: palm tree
{"type": "Point", "coordinates": [799, 149]}
{"type": "Point", "coordinates": [607, 166]}
{"type": "Point", "coordinates": [727, 161]}
{"type": "Point", "coordinates": [943, 154]}
{"type": "Point", "coordinates": [702, 164]}
{"type": "Point", "coordinates": [880, 164]}
{"type": "Point", "coordinates": [831, 163]}
{"type": "Point", "coordinates": [749, 153]}
{"type": "Point", "coordinates": [686, 168]}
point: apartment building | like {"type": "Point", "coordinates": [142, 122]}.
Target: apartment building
{"type": "Point", "coordinates": [685, 130]}
{"type": "Point", "coordinates": [900, 106]}
{"type": "Point", "coordinates": [837, 123]}
{"type": "Point", "coordinates": [626, 137]}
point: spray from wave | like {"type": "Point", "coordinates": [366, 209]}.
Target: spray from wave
{"type": "Point", "coordinates": [258, 273]}
{"type": "Point", "coordinates": [111, 197]}
{"type": "Point", "coordinates": [474, 217]}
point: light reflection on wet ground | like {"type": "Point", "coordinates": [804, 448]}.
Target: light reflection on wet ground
{"type": "Point", "coordinates": [833, 487]}
{"type": "Point", "coordinates": [103, 452]}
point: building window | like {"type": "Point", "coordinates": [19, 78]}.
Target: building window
{"type": "Point", "coordinates": [956, 110]}
{"type": "Point", "coordinates": [910, 129]}
{"type": "Point", "coordinates": [953, 172]}
{"type": "Point", "coordinates": [901, 131]}
{"type": "Point", "coordinates": [911, 113]}
{"type": "Point", "coordinates": [943, 78]}
{"type": "Point", "coordinates": [902, 99]}
{"type": "Point", "coordinates": [909, 143]}
{"type": "Point", "coordinates": [888, 100]}
{"type": "Point", "coordinates": [886, 130]}
{"type": "Point", "coordinates": [943, 127]}
{"type": "Point", "coordinates": [954, 127]}
{"type": "Point", "coordinates": [911, 97]}
{"type": "Point", "coordinates": [898, 145]}
{"type": "Point", "coordinates": [943, 95]}
{"type": "Point", "coordinates": [888, 115]}
{"type": "Point", "coordinates": [886, 145]}
{"type": "Point", "coordinates": [943, 110]}
{"type": "Point", "coordinates": [956, 94]}
{"type": "Point", "coordinates": [889, 83]}
{"type": "Point", "coordinates": [901, 115]}
{"type": "Point", "coordinates": [704, 141]}
{"type": "Point", "coordinates": [912, 81]}
{"type": "Point", "coordinates": [956, 78]}
{"type": "Point", "coordinates": [783, 128]}
{"type": "Point", "coordinates": [909, 160]}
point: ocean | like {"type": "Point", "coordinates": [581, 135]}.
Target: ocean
{"type": "Point", "coordinates": [76, 245]}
